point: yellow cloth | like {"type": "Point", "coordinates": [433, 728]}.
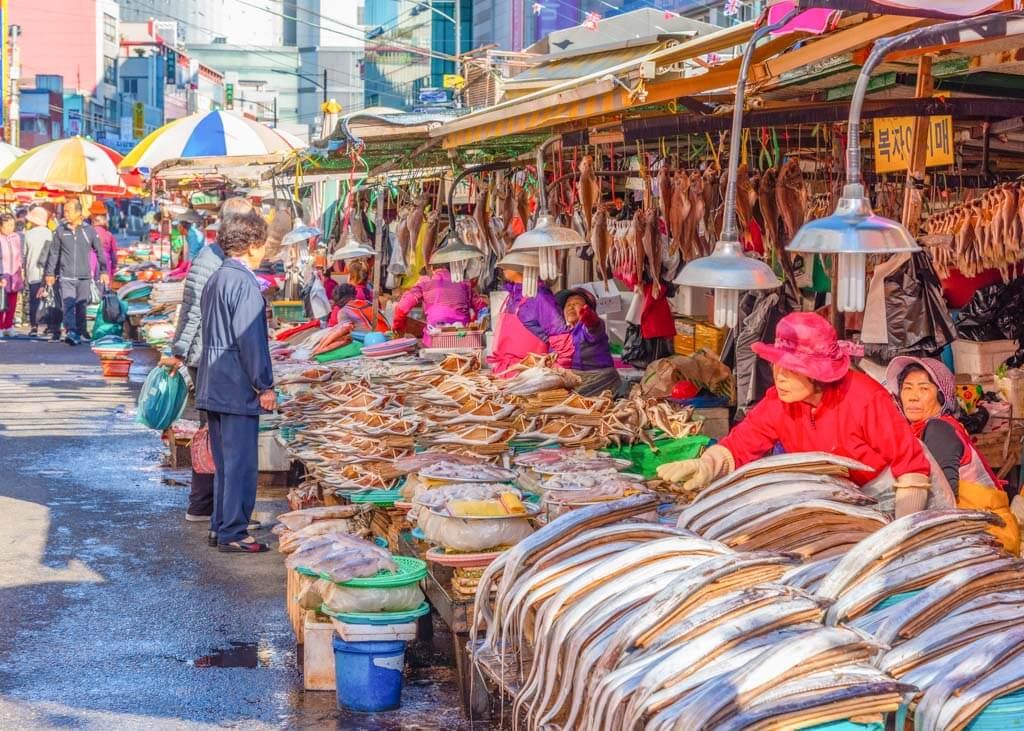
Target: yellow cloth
{"type": "Point", "coordinates": [476, 508]}
{"type": "Point", "coordinates": [418, 263]}
{"type": "Point", "coordinates": [972, 496]}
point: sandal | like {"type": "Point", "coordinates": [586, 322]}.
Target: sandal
{"type": "Point", "coordinates": [211, 539]}
{"type": "Point", "coordinates": [249, 545]}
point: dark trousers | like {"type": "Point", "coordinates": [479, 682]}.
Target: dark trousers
{"type": "Point", "coordinates": [200, 497]}
{"type": "Point", "coordinates": [33, 304]}
{"type": "Point", "coordinates": [234, 441]}
{"type": "Point", "coordinates": [74, 296]}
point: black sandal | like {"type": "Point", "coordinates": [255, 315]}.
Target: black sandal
{"type": "Point", "coordinates": [211, 539]}
{"type": "Point", "coordinates": [249, 546]}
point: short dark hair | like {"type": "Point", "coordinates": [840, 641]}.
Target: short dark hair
{"type": "Point", "coordinates": [5, 217]}
{"type": "Point", "coordinates": [238, 233]}
{"type": "Point", "coordinates": [343, 294]}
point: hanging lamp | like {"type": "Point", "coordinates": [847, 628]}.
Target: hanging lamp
{"type": "Point", "coordinates": [352, 249]}
{"type": "Point", "coordinates": [546, 237]}
{"type": "Point", "coordinates": [456, 254]}
{"type": "Point", "coordinates": [728, 271]}
{"type": "Point", "coordinates": [300, 233]}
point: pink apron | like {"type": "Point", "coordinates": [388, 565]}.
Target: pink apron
{"type": "Point", "coordinates": [513, 343]}
{"type": "Point", "coordinates": [436, 311]}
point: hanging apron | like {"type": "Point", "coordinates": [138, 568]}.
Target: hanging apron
{"type": "Point", "coordinates": [513, 342]}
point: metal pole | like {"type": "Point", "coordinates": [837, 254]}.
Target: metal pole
{"type": "Point", "coordinates": [378, 247]}
{"type": "Point", "coordinates": [325, 86]}
{"type": "Point", "coordinates": [14, 102]}
{"type": "Point", "coordinates": [458, 50]}
{"type": "Point", "coordinates": [275, 111]}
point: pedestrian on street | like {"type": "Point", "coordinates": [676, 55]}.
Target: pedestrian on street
{"type": "Point", "coordinates": [11, 279]}
{"type": "Point", "coordinates": [194, 238]}
{"type": "Point", "coordinates": [69, 260]}
{"type": "Point", "coordinates": [98, 217]}
{"type": "Point", "coordinates": [37, 247]}
{"type": "Point", "coordinates": [187, 348]}
{"type": "Point", "coordinates": [235, 378]}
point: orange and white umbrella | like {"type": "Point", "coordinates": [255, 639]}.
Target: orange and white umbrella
{"type": "Point", "coordinates": [73, 165]}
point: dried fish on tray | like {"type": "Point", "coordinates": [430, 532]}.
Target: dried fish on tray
{"type": "Point", "coordinates": [459, 472]}
{"type": "Point", "coordinates": [603, 624]}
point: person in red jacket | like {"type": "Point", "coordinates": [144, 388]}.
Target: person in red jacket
{"type": "Point", "coordinates": [818, 405]}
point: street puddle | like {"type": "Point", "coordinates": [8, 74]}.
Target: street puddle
{"type": "Point", "coordinates": [236, 655]}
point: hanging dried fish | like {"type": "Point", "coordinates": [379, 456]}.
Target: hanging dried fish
{"type": "Point", "coordinates": [767, 203]}
{"type": "Point", "coordinates": [652, 251]}
{"type": "Point", "coordinates": [745, 197]}
{"type": "Point", "coordinates": [600, 243]}
{"type": "Point", "coordinates": [665, 190]}
{"type": "Point", "coordinates": [692, 245]}
{"type": "Point", "coordinates": [791, 197]}
{"type": "Point", "coordinates": [712, 200]}
{"type": "Point", "coordinates": [589, 189]}
{"type": "Point", "coordinates": [680, 211]}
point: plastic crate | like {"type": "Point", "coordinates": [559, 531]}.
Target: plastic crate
{"type": "Point", "coordinates": [458, 339]}
{"type": "Point", "coordinates": [289, 310]}
{"type": "Point", "coordinates": [710, 338]}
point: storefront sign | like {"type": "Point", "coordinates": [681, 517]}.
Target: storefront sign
{"type": "Point", "coordinates": [139, 120]}
{"type": "Point", "coordinates": [893, 137]}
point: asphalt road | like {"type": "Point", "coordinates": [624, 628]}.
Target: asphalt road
{"type": "Point", "coordinates": [115, 613]}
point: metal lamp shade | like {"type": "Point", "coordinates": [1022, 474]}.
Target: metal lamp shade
{"type": "Point", "coordinates": [456, 254]}
{"type": "Point", "coordinates": [853, 232]}
{"type": "Point", "coordinates": [299, 234]}
{"type": "Point", "coordinates": [546, 238]}
{"type": "Point", "coordinates": [352, 249]}
{"type": "Point", "coordinates": [728, 271]}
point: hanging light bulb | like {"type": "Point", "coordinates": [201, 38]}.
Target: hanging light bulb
{"type": "Point", "coordinates": [728, 270]}
{"type": "Point", "coordinates": [351, 249]}
{"type": "Point", "coordinates": [527, 262]}
{"type": "Point", "coordinates": [456, 254]}
{"type": "Point", "coordinates": [300, 233]}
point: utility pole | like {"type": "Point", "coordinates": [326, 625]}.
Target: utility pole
{"type": "Point", "coordinates": [275, 110]}
{"type": "Point", "coordinates": [14, 103]}
{"type": "Point", "coordinates": [458, 51]}
{"type": "Point", "coordinates": [325, 85]}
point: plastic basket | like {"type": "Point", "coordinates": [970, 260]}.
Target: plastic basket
{"type": "Point", "coordinates": [646, 462]}
{"type": "Point", "coordinates": [383, 498]}
{"type": "Point", "coordinates": [458, 339]}
{"type": "Point", "coordinates": [289, 310]}
{"type": "Point", "coordinates": [377, 617]}
{"type": "Point", "coordinates": [844, 725]}
{"type": "Point", "coordinates": [410, 570]}
{"type": "Point", "coordinates": [1005, 712]}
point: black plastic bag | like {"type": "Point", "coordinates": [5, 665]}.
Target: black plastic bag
{"type": "Point", "coordinates": [111, 306]}
{"type": "Point", "coordinates": [917, 318]}
{"type": "Point", "coordinates": [994, 313]}
{"type": "Point", "coordinates": [640, 352]}
{"type": "Point", "coordinates": [760, 313]}
{"type": "Point", "coordinates": [49, 308]}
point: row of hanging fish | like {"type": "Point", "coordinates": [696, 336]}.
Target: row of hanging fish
{"type": "Point", "coordinates": [984, 233]}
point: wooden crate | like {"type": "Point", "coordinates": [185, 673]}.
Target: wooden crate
{"type": "Point", "coordinates": [180, 453]}
{"type": "Point", "coordinates": [317, 653]}
{"type": "Point", "coordinates": [296, 614]}
{"type": "Point", "coordinates": [991, 446]}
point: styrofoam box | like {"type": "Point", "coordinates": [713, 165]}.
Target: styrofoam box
{"type": "Point", "coordinates": [317, 654]}
{"type": "Point", "coordinates": [981, 358]}
{"type": "Point", "coordinates": [375, 632]}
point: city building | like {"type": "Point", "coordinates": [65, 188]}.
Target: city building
{"type": "Point", "coordinates": [330, 48]}
{"type": "Point", "coordinates": [234, 22]}
{"type": "Point", "coordinates": [77, 42]}
{"type": "Point", "coordinates": [400, 71]}
{"type": "Point", "coordinates": [42, 112]}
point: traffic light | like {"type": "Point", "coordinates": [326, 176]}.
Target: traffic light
{"type": "Point", "coordinates": [229, 96]}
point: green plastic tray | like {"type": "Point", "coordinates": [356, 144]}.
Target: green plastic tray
{"type": "Point", "coordinates": [383, 498]}
{"type": "Point", "coordinates": [410, 570]}
{"type": "Point", "coordinates": [646, 462]}
{"type": "Point", "coordinates": [377, 617]}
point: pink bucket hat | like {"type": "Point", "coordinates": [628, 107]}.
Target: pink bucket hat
{"type": "Point", "coordinates": [806, 343]}
{"type": "Point", "coordinates": [936, 370]}
{"type": "Point", "coordinates": [38, 216]}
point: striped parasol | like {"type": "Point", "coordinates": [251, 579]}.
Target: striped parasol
{"type": "Point", "coordinates": [8, 154]}
{"type": "Point", "coordinates": [73, 165]}
{"type": "Point", "coordinates": [209, 134]}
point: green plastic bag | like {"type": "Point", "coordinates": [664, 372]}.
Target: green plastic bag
{"type": "Point", "coordinates": [101, 328]}
{"type": "Point", "coordinates": [646, 462]}
{"type": "Point", "coordinates": [351, 350]}
{"type": "Point", "coordinates": [162, 399]}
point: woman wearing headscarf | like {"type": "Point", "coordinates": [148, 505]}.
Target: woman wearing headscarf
{"type": "Point", "coordinates": [526, 325]}
{"type": "Point", "coordinates": [926, 392]}
{"type": "Point", "coordinates": [348, 306]}
{"type": "Point", "coordinates": [818, 405]}
{"type": "Point", "coordinates": [591, 356]}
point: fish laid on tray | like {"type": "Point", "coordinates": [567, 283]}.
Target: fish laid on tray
{"type": "Point", "coordinates": [602, 623]}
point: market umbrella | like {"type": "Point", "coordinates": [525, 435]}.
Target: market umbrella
{"type": "Point", "coordinates": [8, 154]}
{"type": "Point", "coordinates": [209, 134]}
{"type": "Point", "coordinates": [73, 165]}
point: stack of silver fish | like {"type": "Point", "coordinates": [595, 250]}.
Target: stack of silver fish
{"type": "Point", "coordinates": [601, 621]}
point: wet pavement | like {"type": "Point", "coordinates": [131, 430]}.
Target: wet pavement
{"type": "Point", "coordinates": [115, 613]}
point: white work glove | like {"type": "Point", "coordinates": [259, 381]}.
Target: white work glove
{"type": "Point", "coordinates": [911, 493]}
{"type": "Point", "coordinates": [696, 474]}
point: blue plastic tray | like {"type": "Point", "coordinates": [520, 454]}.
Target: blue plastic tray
{"type": "Point", "coordinates": [377, 617]}
{"type": "Point", "coordinates": [894, 599]}
{"type": "Point", "coordinates": [845, 726]}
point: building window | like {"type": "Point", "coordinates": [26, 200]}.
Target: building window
{"type": "Point", "coordinates": [130, 86]}
{"type": "Point", "coordinates": [109, 28]}
{"type": "Point", "coordinates": [109, 70]}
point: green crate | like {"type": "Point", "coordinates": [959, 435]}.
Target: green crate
{"type": "Point", "coordinates": [646, 462]}
{"type": "Point", "coordinates": [289, 310]}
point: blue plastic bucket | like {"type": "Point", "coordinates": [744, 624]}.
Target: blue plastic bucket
{"type": "Point", "coordinates": [368, 675]}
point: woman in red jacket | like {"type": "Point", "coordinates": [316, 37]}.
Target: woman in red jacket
{"type": "Point", "coordinates": [818, 405]}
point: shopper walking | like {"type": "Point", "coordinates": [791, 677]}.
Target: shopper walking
{"type": "Point", "coordinates": [12, 280]}
{"type": "Point", "coordinates": [69, 261]}
{"type": "Point", "coordinates": [187, 348]}
{"type": "Point", "coordinates": [37, 246]}
{"type": "Point", "coordinates": [98, 217]}
{"type": "Point", "coordinates": [235, 378]}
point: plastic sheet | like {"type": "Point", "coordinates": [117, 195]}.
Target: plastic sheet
{"type": "Point", "coordinates": [112, 308]}
{"type": "Point", "coordinates": [299, 519]}
{"type": "Point", "coordinates": [463, 534]}
{"type": "Point", "coordinates": [362, 599]}
{"type": "Point", "coordinates": [308, 596]}
{"type": "Point", "coordinates": [916, 316]}
{"type": "Point", "coordinates": [994, 313]}
{"type": "Point", "coordinates": [760, 313]}
{"type": "Point", "coordinates": [162, 399]}
{"type": "Point", "coordinates": [640, 352]}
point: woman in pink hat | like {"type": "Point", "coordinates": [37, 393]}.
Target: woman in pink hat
{"type": "Point", "coordinates": [927, 394]}
{"type": "Point", "coordinates": [818, 405]}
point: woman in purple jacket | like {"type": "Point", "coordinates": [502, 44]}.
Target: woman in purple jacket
{"type": "Point", "coordinates": [591, 357]}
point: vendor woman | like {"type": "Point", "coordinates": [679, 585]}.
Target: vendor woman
{"type": "Point", "coordinates": [591, 355]}
{"type": "Point", "coordinates": [444, 302]}
{"type": "Point", "coordinates": [926, 392]}
{"type": "Point", "coordinates": [349, 307]}
{"type": "Point", "coordinates": [526, 324]}
{"type": "Point", "coordinates": [818, 405]}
